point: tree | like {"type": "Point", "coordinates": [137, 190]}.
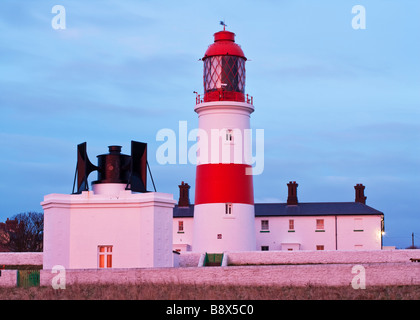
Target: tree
{"type": "Point", "coordinates": [28, 234]}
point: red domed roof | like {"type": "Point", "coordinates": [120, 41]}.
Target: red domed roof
{"type": "Point", "coordinates": [224, 44]}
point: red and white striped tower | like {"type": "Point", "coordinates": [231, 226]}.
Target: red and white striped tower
{"type": "Point", "coordinates": [224, 218]}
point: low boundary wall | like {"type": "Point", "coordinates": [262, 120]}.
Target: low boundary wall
{"type": "Point", "coordinates": [8, 278]}
{"type": "Point", "coordinates": [297, 268]}
{"type": "Point", "coordinates": [320, 257]}
{"type": "Point", "coordinates": [295, 275]}
{"type": "Point", "coordinates": [191, 259]}
{"type": "Point", "coordinates": [21, 258]}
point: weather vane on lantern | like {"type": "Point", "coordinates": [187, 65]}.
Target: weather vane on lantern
{"type": "Point", "coordinates": [223, 24]}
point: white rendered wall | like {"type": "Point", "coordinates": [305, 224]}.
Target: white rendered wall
{"type": "Point", "coordinates": [162, 236]}
{"type": "Point", "coordinates": [359, 232]}
{"type": "Point", "coordinates": [182, 240]}
{"type": "Point", "coordinates": [56, 245]}
{"type": "Point", "coordinates": [237, 229]}
{"type": "Point", "coordinates": [137, 226]}
{"type": "Point", "coordinates": [214, 118]}
{"type": "Point", "coordinates": [305, 233]}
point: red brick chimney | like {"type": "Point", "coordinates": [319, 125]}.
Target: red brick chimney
{"type": "Point", "coordinates": [292, 196]}
{"type": "Point", "coordinates": [360, 193]}
{"type": "Point", "coordinates": [184, 195]}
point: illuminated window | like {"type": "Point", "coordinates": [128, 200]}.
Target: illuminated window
{"type": "Point", "coordinates": [320, 247]}
{"type": "Point", "coordinates": [105, 256]}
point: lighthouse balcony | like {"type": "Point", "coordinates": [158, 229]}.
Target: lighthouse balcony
{"type": "Point", "coordinates": [223, 96]}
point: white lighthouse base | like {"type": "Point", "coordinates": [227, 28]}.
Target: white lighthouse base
{"type": "Point", "coordinates": [216, 231]}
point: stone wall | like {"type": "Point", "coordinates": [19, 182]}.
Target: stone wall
{"type": "Point", "coordinates": [321, 256]}
{"type": "Point", "coordinates": [20, 258]}
{"type": "Point", "coordinates": [8, 278]}
{"type": "Point", "coordinates": [395, 273]}
{"type": "Point", "coordinates": [298, 268]}
{"type": "Point", "coordinates": [189, 259]}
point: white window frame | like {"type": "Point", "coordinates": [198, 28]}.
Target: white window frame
{"type": "Point", "coordinates": [292, 223]}
{"type": "Point", "coordinates": [180, 226]}
{"type": "Point", "coordinates": [108, 249]}
{"type": "Point", "coordinates": [320, 224]}
{"type": "Point", "coordinates": [265, 225]}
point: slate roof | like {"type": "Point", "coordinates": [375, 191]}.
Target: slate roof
{"type": "Point", "coordinates": [301, 209]}
{"type": "Point", "coordinates": [314, 209]}
{"type": "Point", "coordinates": [184, 212]}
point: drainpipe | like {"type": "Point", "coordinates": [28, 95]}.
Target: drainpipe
{"type": "Point", "coordinates": [336, 245]}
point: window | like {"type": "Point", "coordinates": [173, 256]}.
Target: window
{"type": "Point", "coordinates": [358, 226]}
{"type": "Point", "coordinates": [105, 256]}
{"type": "Point", "coordinates": [264, 225]}
{"type": "Point", "coordinates": [219, 236]}
{"type": "Point", "coordinates": [291, 225]}
{"type": "Point", "coordinates": [264, 248]}
{"type": "Point", "coordinates": [319, 224]}
{"type": "Point", "coordinates": [227, 72]}
{"type": "Point", "coordinates": [180, 226]}
{"type": "Point", "coordinates": [229, 135]}
{"type": "Point", "coordinates": [228, 208]}
{"type": "Point", "coordinates": [320, 247]}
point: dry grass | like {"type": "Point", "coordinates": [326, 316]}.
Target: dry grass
{"type": "Point", "coordinates": [172, 291]}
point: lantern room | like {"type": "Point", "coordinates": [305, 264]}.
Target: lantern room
{"type": "Point", "coordinates": [224, 69]}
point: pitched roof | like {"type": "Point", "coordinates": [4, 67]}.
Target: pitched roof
{"type": "Point", "coordinates": [184, 212]}
{"type": "Point", "coordinates": [301, 209]}
{"type": "Point", "coordinates": [314, 209]}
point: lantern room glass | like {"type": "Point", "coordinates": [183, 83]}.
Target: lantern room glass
{"type": "Point", "coordinates": [224, 73]}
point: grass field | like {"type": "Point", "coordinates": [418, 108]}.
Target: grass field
{"type": "Point", "coordinates": [173, 291]}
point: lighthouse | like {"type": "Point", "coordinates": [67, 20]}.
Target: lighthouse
{"type": "Point", "coordinates": [224, 217]}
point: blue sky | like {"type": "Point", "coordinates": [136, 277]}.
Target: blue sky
{"type": "Point", "coordinates": [338, 106]}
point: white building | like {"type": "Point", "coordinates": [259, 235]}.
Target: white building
{"type": "Point", "coordinates": [108, 227]}
{"type": "Point", "coordinates": [299, 226]}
